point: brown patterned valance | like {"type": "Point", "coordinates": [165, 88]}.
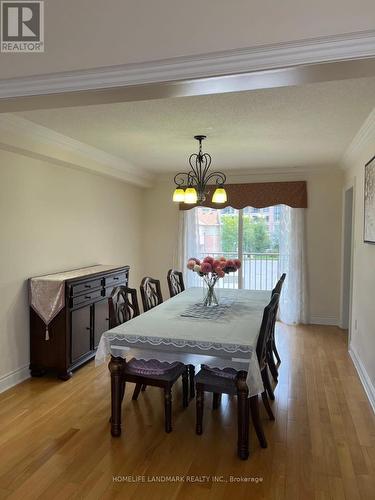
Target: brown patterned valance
{"type": "Point", "coordinates": [260, 195]}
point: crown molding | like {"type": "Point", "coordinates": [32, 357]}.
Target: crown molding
{"type": "Point", "coordinates": [342, 47]}
{"type": "Point", "coordinates": [365, 134]}
{"type": "Point", "coordinates": [49, 145]}
{"type": "Point", "coordinates": [285, 171]}
{"type": "Point", "coordinates": [248, 174]}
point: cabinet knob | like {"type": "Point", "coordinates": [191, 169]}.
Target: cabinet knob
{"type": "Point", "coordinates": [88, 328]}
{"type": "Point", "coordinates": [87, 286]}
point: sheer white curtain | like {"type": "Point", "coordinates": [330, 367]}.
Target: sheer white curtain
{"type": "Point", "coordinates": [188, 242]}
{"type": "Point", "coordinates": [292, 260]}
{"type": "Point", "coordinates": [293, 303]}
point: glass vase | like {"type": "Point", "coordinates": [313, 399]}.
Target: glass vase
{"type": "Point", "coordinates": [210, 298]}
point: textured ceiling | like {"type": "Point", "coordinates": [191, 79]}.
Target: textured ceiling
{"type": "Point", "coordinates": [307, 126]}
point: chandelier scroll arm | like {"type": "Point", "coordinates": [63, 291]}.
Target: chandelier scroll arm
{"type": "Point", "coordinates": [181, 178]}
{"type": "Point", "coordinates": [193, 162]}
{"type": "Point", "coordinates": [208, 161]}
{"type": "Point", "coordinates": [192, 177]}
{"type": "Point", "coordinates": [220, 178]}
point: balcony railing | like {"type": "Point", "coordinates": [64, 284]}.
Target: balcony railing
{"type": "Point", "coordinates": [259, 271]}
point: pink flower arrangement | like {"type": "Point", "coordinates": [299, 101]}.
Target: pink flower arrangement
{"type": "Point", "coordinates": [213, 268]}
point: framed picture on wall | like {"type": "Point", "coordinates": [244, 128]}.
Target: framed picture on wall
{"type": "Point", "coordinates": [369, 227]}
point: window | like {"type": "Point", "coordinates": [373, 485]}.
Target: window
{"type": "Point", "coordinates": [269, 242]}
{"type": "Point", "coordinates": [251, 235]}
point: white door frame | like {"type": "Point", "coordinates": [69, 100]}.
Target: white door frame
{"type": "Point", "coordinates": [347, 187]}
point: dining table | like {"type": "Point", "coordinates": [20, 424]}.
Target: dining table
{"type": "Point", "coordinates": [183, 329]}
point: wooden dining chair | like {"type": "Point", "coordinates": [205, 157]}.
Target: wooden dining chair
{"type": "Point", "coordinates": [279, 285]}
{"type": "Point", "coordinates": [152, 297]}
{"type": "Point", "coordinates": [176, 285]}
{"type": "Point", "coordinates": [263, 349]}
{"type": "Point", "coordinates": [224, 381]}
{"type": "Point", "coordinates": [272, 349]}
{"type": "Point", "coordinates": [175, 281]}
{"type": "Point", "coordinates": [123, 306]}
{"type": "Point", "coordinates": [150, 293]}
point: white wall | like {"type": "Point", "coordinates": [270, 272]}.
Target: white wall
{"type": "Point", "coordinates": [363, 310]}
{"type": "Point", "coordinates": [92, 33]}
{"type": "Point", "coordinates": [54, 218]}
{"type": "Point", "coordinates": [323, 221]}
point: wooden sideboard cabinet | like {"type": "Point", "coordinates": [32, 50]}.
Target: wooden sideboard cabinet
{"type": "Point", "coordinates": [75, 332]}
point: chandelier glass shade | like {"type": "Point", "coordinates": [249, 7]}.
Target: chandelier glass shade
{"type": "Point", "coordinates": [193, 187]}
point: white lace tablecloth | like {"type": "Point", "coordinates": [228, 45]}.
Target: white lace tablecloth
{"type": "Point", "coordinates": [178, 329]}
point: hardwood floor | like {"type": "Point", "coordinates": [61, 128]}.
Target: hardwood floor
{"type": "Point", "coordinates": [55, 441]}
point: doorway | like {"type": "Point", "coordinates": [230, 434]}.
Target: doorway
{"type": "Point", "coordinates": [347, 260]}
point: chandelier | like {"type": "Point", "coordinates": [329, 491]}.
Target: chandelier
{"type": "Point", "coordinates": [192, 187]}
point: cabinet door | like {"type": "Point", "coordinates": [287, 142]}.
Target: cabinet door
{"type": "Point", "coordinates": [81, 332]}
{"type": "Point", "coordinates": [101, 320]}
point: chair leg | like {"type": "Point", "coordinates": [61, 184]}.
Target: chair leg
{"type": "Point", "coordinates": [185, 388]}
{"type": "Point", "coordinates": [168, 409]}
{"type": "Point", "coordinates": [242, 416]}
{"type": "Point", "coordinates": [116, 367]}
{"type": "Point", "coordinates": [267, 406]}
{"type": "Point", "coordinates": [254, 408]}
{"type": "Point", "coordinates": [144, 387]}
{"type": "Point", "coordinates": [267, 383]}
{"type": "Point", "coordinates": [122, 394]}
{"type": "Point", "coordinates": [271, 364]}
{"type": "Point", "coordinates": [216, 400]}
{"type": "Point", "coordinates": [276, 352]}
{"type": "Point", "coordinates": [199, 406]}
{"type": "Point", "coordinates": [136, 392]}
{"type": "Point", "coordinates": [192, 381]}
{"type": "Point", "coordinates": [123, 384]}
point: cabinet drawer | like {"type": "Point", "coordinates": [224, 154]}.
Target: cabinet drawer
{"type": "Point", "coordinates": [90, 296]}
{"type": "Point", "coordinates": [116, 279]}
{"type": "Point", "coordinates": [80, 288]}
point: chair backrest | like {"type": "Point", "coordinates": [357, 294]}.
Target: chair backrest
{"type": "Point", "coordinates": [150, 293]}
{"type": "Point", "coordinates": [175, 282]}
{"type": "Point", "coordinates": [123, 305]}
{"type": "Point", "coordinates": [266, 329]}
{"type": "Point", "coordinates": [279, 285]}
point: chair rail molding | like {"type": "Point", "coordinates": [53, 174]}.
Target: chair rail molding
{"type": "Point", "coordinates": [364, 376]}
{"type": "Point", "coordinates": [25, 137]}
{"type": "Point", "coordinates": [331, 48]}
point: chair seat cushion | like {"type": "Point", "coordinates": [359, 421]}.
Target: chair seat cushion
{"type": "Point", "coordinates": [153, 367]}
{"type": "Point", "coordinates": [217, 380]}
{"type": "Point", "coordinates": [229, 373]}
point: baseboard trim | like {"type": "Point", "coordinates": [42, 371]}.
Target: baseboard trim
{"type": "Point", "coordinates": [364, 377]}
{"type": "Point", "coordinates": [324, 320]}
{"type": "Point", "coordinates": [13, 378]}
